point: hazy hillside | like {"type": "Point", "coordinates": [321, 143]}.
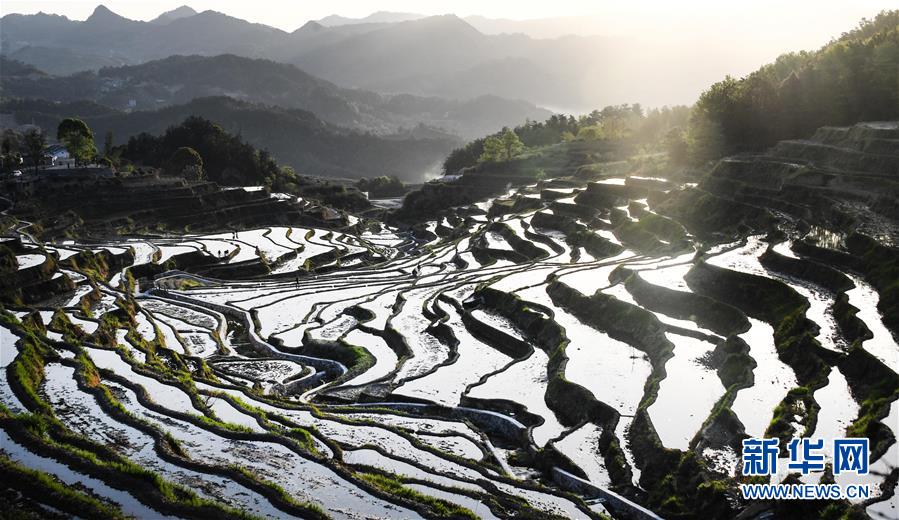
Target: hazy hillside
{"type": "Point", "coordinates": [107, 34]}
{"type": "Point", "coordinates": [168, 16]}
{"type": "Point", "coordinates": [179, 79]}
{"type": "Point", "coordinates": [446, 56]}
{"type": "Point", "coordinates": [851, 79]}
{"type": "Point", "coordinates": [294, 137]}
{"type": "Point", "coordinates": [376, 17]}
{"type": "Point", "coordinates": [442, 56]}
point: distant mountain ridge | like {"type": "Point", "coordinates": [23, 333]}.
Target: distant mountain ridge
{"type": "Point", "coordinates": [113, 37]}
{"type": "Point", "coordinates": [180, 12]}
{"type": "Point", "coordinates": [376, 17]}
{"type": "Point", "coordinates": [179, 79]}
{"type": "Point", "coordinates": [442, 56]}
{"type": "Point", "coordinates": [535, 28]}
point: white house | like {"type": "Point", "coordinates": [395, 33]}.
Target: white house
{"type": "Point", "coordinates": [56, 154]}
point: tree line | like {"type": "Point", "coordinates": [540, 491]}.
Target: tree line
{"type": "Point", "coordinates": [641, 128]}
{"type": "Point", "coordinates": [198, 148]}
{"type": "Point", "coordinates": [383, 186]}
{"type": "Point", "coordinates": [853, 78]}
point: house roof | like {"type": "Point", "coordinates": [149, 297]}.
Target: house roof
{"type": "Point", "coordinates": [57, 150]}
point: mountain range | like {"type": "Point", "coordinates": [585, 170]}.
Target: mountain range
{"type": "Point", "coordinates": [444, 56]}
{"type": "Point", "coordinates": [179, 79]}
{"type": "Point", "coordinates": [536, 28]}
{"type": "Point", "coordinates": [376, 17]}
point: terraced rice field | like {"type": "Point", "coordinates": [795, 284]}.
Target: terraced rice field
{"type": "Point", "coordinates": [463, 366]}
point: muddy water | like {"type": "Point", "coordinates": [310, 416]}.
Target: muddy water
{"type": "Point", "coordinates": [447, 384]}
{"type": "Point", "coordinates": [8, 353]}
{"type": "Point", "coordinates": [81, 413]}
{"type": "Point", "coordinates": [385, 357]}
{"type": "Point", "coordinates": [613, 371]}
{"type": "Point", "coordinates": [887, 509]}
{"type": "Point", "coordinates": [754, 406]}
{"type": "Point", "coordinates": [427, 350]}
{"type": "Point", "coordinates": [125, 501]}
{"type": "Point", "coordinates": [582, 447]}
{"type": "Point", "coordinates": [524, 382]}
{"type": "Point", "coordinates": [882, 345]}
{"type": "Point", "coordinates": [687, 394]}
{"type": "Point", "coordinates": [475, 506]}
{"type": "Point", "coordinates": [274, 462]}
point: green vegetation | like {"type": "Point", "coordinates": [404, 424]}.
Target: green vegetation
{"type": "Point", "coordinates": [881, 267]}
{"type": "Point", "coordinates": [439, 508]}
{"type": "Point", "coordinates": [49, 490]}
{"type": "Point", "coordinates": [504, 147]}
{"type": "Point", "coordinates": [41, 430]}
{"type": "Point", "coordinates": [875, 387]}
{"type": "Point", "coordinates": [293, 137]}
{"type": "Point", "coordinates": [382, 187]}
{"type": "Point", "coordinates": [184, 284]}
{"type": "Point", "coordinates": [852, 78]}
{"type": "Point", "coordinates": [676, 483]}
{"type": "Point", "coordinates": [225, 158]}
{"type": "Point", "coordinates": [628, 125]}
{"type": "Point", "coordinates": [11, 147]}
{"type": "Point", "coordinates": [279, 494]}
{"type": "Point", "coordinates": [706, 312]}
{"type": "Point", "coordinates": [187, 163]}
{"type": "Point", "coordinates": [8, 263]}
{"type": "Point", "coordinates": [708, 216]}
{"type": "Point", "coordinates": [35, 142]}
{"type": "Point", "coordinates": [78, 138]}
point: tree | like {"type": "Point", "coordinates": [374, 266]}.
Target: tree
{"type": "Point", "coordinates": [10, 143]}
{"type": "Point", "coordinates": [492, 150]}
{"type": "Point", "coordinates": [382, 187]}
{"type": "Point", "coordinates": [464, 157]}
{"type": "Point", "coordinates": [10, 158]}
{"type": "Point", "coordinates": [78, 139]}
{"type": "Point", "coordinates": [676, 146]}
{"type": "Point", "coordinates": [589, 133]}
{"type": "Point", "coordinates": [706, 140]}
{"type": "Point", "coordinates": [503, 147]}
{"type": "Point", "coordinates": [187, 163]}
{"type": "Point", "coordinates": [227, 159]}
{"type": "Point", "coordinates": [851, 79]}
{"type": "Point", "coordinates": [512, 145]}
{"type": "Point", "coordinates": [35, 142]}
{"type": "Point", "coordinates": [107, 144]}
{"type": "Point", "coordinates": [72, 125]}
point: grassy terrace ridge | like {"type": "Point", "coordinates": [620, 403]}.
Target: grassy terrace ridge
{"type": "Point", "coordinates": [91, 379]}
{"type": "Point", "coordinates": [42, 431]}
{"type": "Point", "coordinates": [45, 488]}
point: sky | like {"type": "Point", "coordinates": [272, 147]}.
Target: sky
{"type": "Point", "coordinates": [802, 22]}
